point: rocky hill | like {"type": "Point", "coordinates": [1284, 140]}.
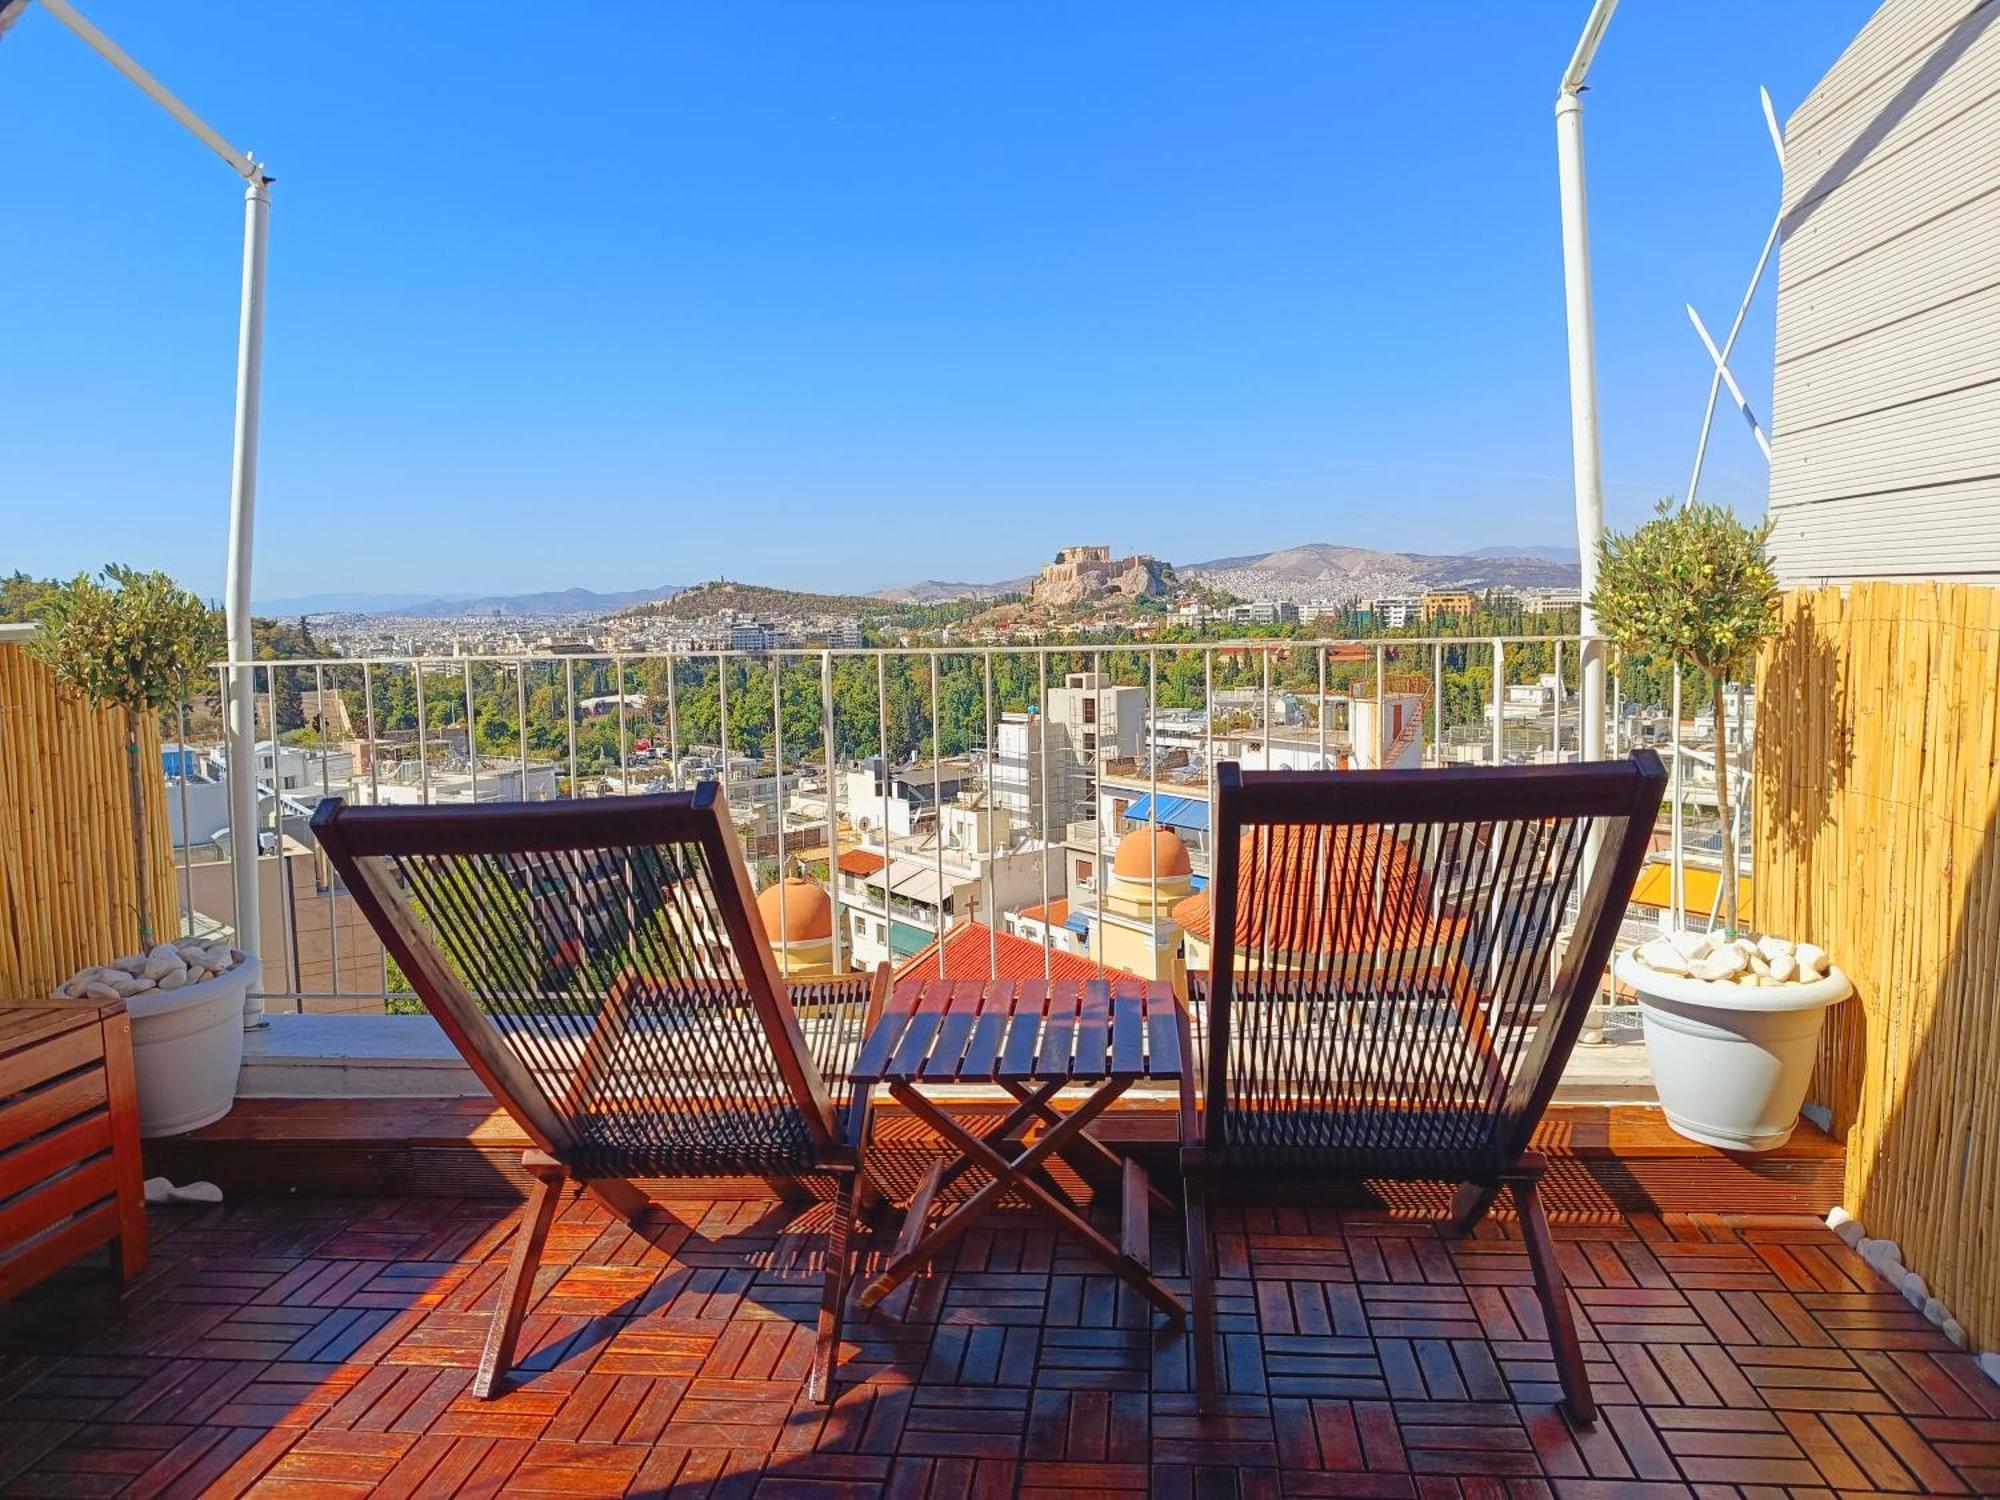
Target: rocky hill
{"type": "Point", "coordinates": [1086, 575]}
{"type": "Point", "coordinates": [751, 600]}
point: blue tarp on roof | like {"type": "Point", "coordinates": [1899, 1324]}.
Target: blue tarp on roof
{"type": "Point", "coordinates": [1175, 812]}
{"type": "Point", "coordinates": [1080, 925]}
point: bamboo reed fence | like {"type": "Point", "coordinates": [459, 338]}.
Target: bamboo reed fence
{"type": "Point", "coordinates": [1877, 794]}
{"type": "Point", "coordinates": [67, 887]}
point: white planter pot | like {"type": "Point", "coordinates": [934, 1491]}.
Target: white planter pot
{"type": "Point", "coordinates": [1731, 1065]}
{"type": "Point", "coordinates": [187, 1048]}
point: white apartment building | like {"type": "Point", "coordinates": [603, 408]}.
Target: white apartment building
{"type": "Point", "coordinates": [1549, 601]}
{"type": "Point", "coordinates": [1093, 719]}
{"type": "Point", "coordinates": [1313, 610]}
{"type": "Point", "coordinates": [752, 635]}
{"type": "Point", "coordinates": [895, 900]}
{"type": "Point", "coordinates": [294, 768]}
{"type": "Point", "coordinates": [1046, 924]}
{"type": "Point", "coordinates": [1360, 736]}
{"type": "Point", "coordinates": [1885, 409]}
{"type": "Point", "coordinates": [904, 801]}
{"type": "Point", "coordinates": [1017, 771]}
{"type": "Point", "coordinates": [1265, 612]}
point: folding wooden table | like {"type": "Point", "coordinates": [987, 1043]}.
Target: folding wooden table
{"type": "Point", "coordinates": [1033, 1039]}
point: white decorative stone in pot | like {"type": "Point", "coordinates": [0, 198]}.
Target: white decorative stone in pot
{"type": "Point", "coordinates": [186, 1005]}
{"type": "Point", "coordinates": [1732, 1050]}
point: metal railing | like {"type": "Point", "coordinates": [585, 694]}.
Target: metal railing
{"type": "Point", "coordinates": [809, 743]}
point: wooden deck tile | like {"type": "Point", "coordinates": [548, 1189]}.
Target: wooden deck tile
{"type": "Point", "coordinates": [325, 1347]}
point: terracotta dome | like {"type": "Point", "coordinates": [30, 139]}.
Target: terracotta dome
{"type": "Point", "coordinates": [1149, 853]}
{"type": "Point", "coordinates": [1304, 866]}
{"type": "Point", "coordinates": [796, 911]}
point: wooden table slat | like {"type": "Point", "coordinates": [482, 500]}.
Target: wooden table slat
{"type": "Point", "coordinates": [923, 1025]}
{"type": "Point", "coordinates": [1128, 1031]}
{"type": "Point", "coordinates": [961, 1010]}
{"type": "Point", "coordinates": [1053, 1061]}
{"type": "Point", "coordinates": [880, 1043]}
{"type": "Point", "coordinates": [982, 1049]}
{"type": "Point", "coordinates": [1017, 1061]}
{"type": "Point", "coordinates": [1163, 1035]}
{"type": "Point", "coordinates": [1093, 1030]}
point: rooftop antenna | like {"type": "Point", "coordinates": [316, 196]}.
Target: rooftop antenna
{"type": "Point", "coordinates": [242, 704]}
{"type": "Point", "coordinates": [1584, 454]}
{"type": "Point", "coordinates": [1721, 357]}
{"type": "Point", "coordinates": [1722, 374]}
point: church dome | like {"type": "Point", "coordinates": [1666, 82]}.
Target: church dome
{"type": "Point", "coordinates": [1151, 853]}
{"type": "Point", "coordinates": [796, 911]}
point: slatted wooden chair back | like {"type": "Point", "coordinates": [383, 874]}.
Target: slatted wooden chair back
{"type": "Point", "coordinates": [603, 967]}
{"type": "Point", "coordinates": [1398, 971]}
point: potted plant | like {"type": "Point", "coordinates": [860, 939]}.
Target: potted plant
{"type": "Point", "coordinates": [136, 641]}
{"type": "Point", "coordinates": [1732, 1022]}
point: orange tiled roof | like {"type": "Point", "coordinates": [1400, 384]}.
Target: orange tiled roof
{"type": "Point", "coordinates": [970, 950]}
{"type": "Point", "coordinates": [1054, 914]}
{"type": "Point", "coordinates": [1300, 860]}
{"type": "Point", "coordinates": [859, 861]}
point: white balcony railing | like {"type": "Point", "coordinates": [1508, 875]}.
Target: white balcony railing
{"type": "Point", "coordinates": [791, 735]}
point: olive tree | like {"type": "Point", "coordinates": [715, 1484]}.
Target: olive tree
{"type": "Point", "coordinates": [133, 641]}
{"type": "Point", "coordinates": [1692, 587]}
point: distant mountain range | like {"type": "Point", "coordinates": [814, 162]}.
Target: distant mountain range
{"type": "Point", "coordinates": [1316, 570]}
{"type": "Point", "coordinates": [1324, 570]}
{"type": "Point", "coordinates": [547, 605]}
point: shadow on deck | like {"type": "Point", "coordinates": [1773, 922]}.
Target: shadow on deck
{"type": "Point", "coordinates": [319, 1346]}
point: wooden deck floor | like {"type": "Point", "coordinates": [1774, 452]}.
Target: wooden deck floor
{"type": "Point", "coordinates": [323, 1347]}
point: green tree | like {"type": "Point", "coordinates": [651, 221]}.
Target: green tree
{"type": "Point", "coordinates": [1692, 586]}
{"type": "Point", "coordinates": [22, 597]}
{"type": "Point", "coordinates": [133, 641]}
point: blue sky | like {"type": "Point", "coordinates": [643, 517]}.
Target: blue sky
{"type": "Point", "coordinates": [844, 296]}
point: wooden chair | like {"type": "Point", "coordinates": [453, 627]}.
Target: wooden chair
{"type": "Point", "coordinates": [1391, 992]}
{"type": "Point", "coordinates": [603, 968]}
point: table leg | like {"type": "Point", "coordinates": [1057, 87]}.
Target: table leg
{"type": "Point", "coordinates": [1092, 1160]}
{"type": "Point", "coordinates": [1029, 1103]}
{"type": "Point", "coordinates": [1015, 1174]}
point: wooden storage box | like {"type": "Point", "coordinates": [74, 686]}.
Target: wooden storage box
{"type": "Point", "coordinates": [70, 1174]}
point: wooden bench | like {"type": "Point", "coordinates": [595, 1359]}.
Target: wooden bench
{"type": "Point", "coordinates": [70, 1174]}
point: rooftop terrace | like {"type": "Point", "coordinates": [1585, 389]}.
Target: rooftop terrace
{"type": "Point", "coordinates": [324, 1347]}
{"type": "Point", "coordinates": [317, 1333]}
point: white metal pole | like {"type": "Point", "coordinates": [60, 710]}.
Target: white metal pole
{"type": "Point", "coordinates": [158, 92]}
{"type": "Point", "coordinates": [1676, 847]}
{"type": "Point", "coordinates": [242, 721]}
{"type": "Point", "coordinates": [241, 714]}
{"type": "Point", "coordinates": [1585, 461]}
